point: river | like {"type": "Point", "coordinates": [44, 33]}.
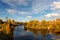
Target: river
{"type": "Point", "coordinates": [21, 34]}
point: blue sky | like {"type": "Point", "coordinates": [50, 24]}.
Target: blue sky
{"type": "Point", "coordinates": [25, 10]}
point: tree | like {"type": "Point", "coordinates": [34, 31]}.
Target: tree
{"type": "Point", "coordinates": [1, 21]}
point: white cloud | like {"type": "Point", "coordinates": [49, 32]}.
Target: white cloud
{"type": "Point", "coordinates": [52, 15]}
{"type": "Point", "coordinates": [39, 6]}
{"type": "Point", "coordinates": [28, 16]}
{"type": "Point", "coordinates": [24, 13]}
{"type": "Point", "coordinates": [55, 5]}
{"type": "Point", "coordinates": [11, 11]}
{"type": "Point", "coordinates": [26, 21]}
{"type": "Point", "coordinates": [16, 2]}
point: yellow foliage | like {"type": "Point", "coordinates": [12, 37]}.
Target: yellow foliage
{"type": "Point", "coordinates": [7, 28]}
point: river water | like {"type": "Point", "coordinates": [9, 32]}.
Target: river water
{"type": "Point", "coordinates": [21, 34]}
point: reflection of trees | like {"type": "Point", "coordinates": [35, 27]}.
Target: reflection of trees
{"type": "Point", "coordinates": [44, 27]}
{"type": "Point", "coordinates": [39, 31]}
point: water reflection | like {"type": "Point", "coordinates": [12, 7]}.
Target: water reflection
{"type": "Point", "coordinates": [32, 34]}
